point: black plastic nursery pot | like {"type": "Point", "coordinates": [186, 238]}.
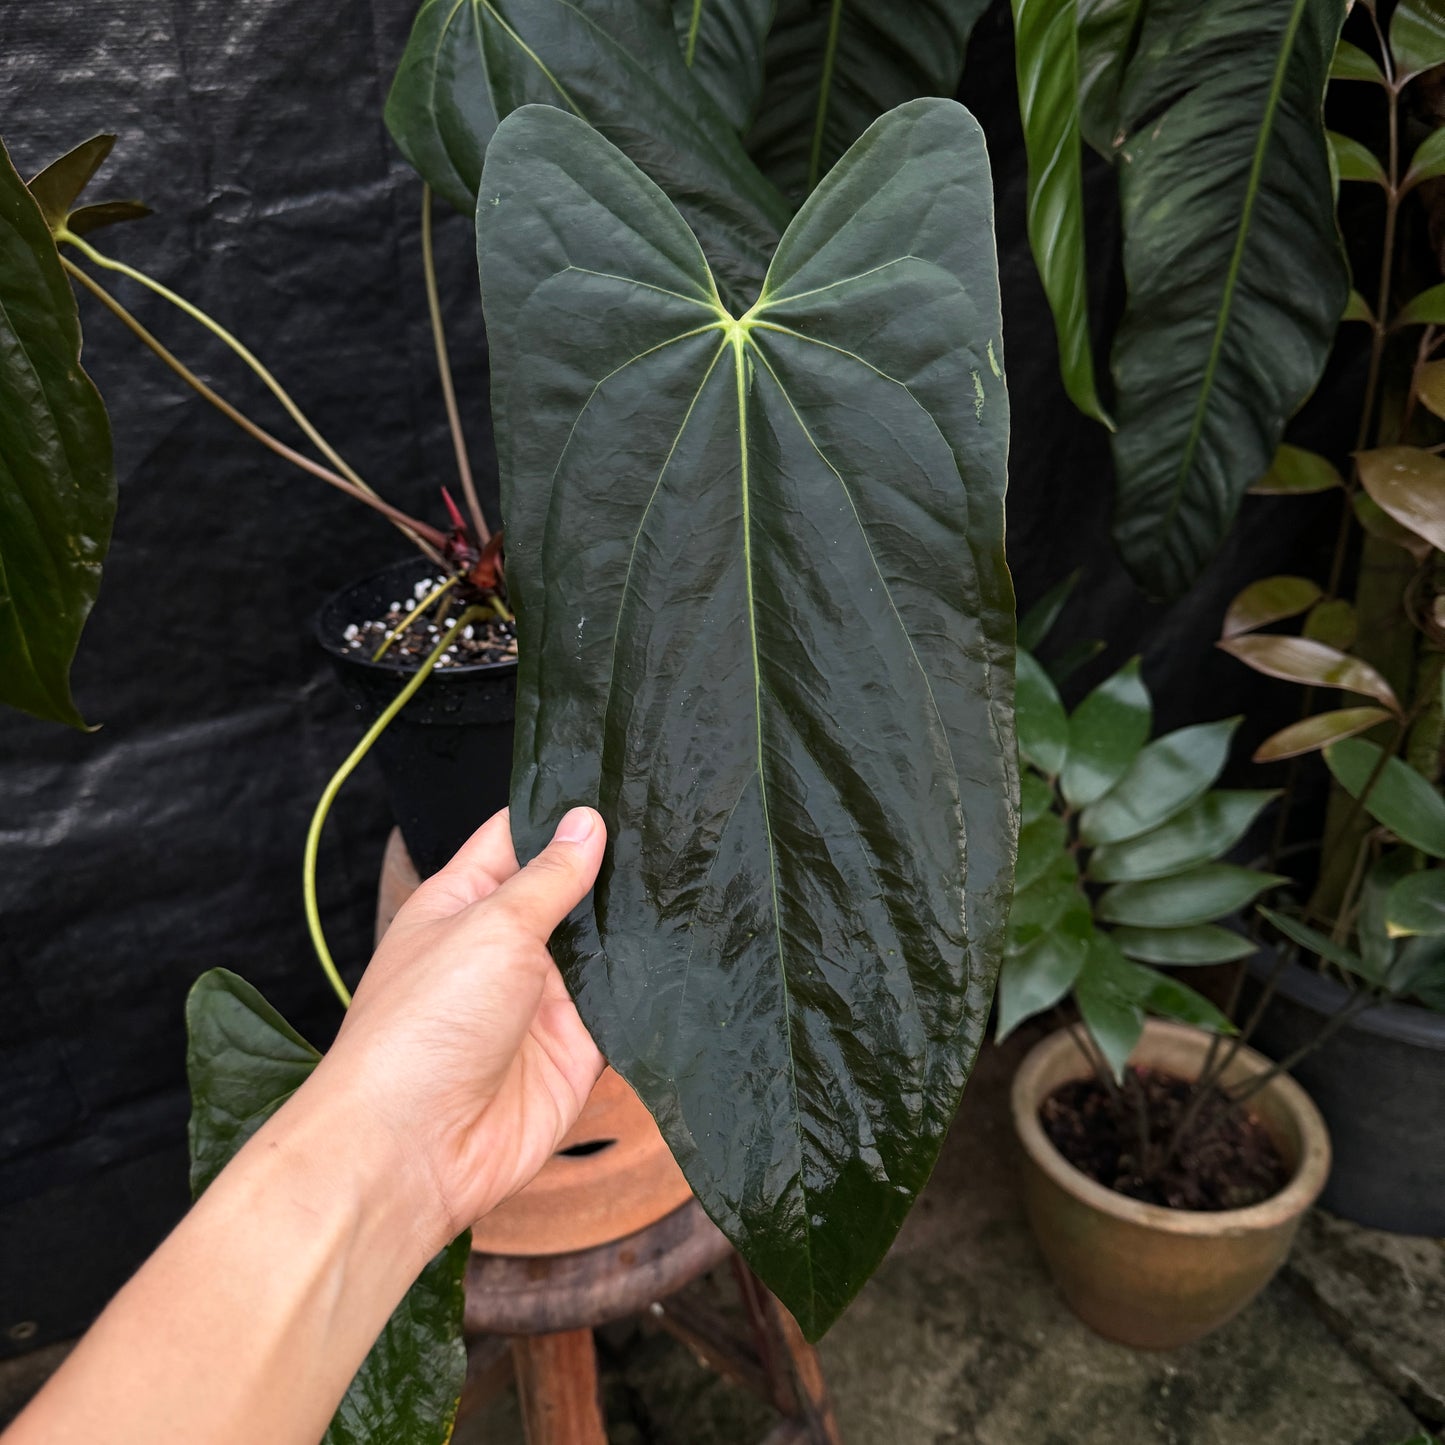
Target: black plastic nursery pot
{"type": "Point", "coordinates": [1380, 1084]}
{"type": "Point", "coordinates": [447, 756]}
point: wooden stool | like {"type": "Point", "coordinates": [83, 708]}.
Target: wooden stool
{"type": "Point", "coordinates": [607, 1231]}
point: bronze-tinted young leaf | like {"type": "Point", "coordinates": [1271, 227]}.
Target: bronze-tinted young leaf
{"type": "Point", "coordinates": [1271, 599]}
{"type": "Point", "coordinates": [57, 486]}
{"type": "Point", "coordinates": [722, 45]}
{"type": "Point", "coordinates": [1409, 485]}
{"type": "Point", "coordinates": [1297, 659]}
{"type": "Point", "coordinates": [1352, 63]}
{"type": "Point", "coordinates": [1332, 621]}
{"type": "Point", "coordinates": [244, 1061]}
{"type": "Point", "coordinates": [1106, 732]}
{"type": "Point", "coordinates": [1430, 386]}
{"type": "Point", "coordinates": [1417, 37]}
{"type": "Point", "coordinates": [1313, 733]}
{"type": "Point", "coordinates": [1046, 54]}
{"type": "Point", "coordinates": [1108, 32]}
{"type": "Point", "coordinates": [835, 66]}
{"type": "Point", "coordinates": [1295, 472]}
{"type": "Point", "coordinates": [766, 627]}
{"type": "Point", "coordinates": [1235, 287]}
{"type": "Point", "coordinates": [1379, 523]}
{"type": "Point", "coordinates": [1039, 976]}
{"type": "Point", "coordinates": [615, 63]}
{"type": "Point", "coordinates": [1391, 792]}
{"type": "Point", "coordinates": [1353, 160]}
{"type": "Point", "coordinates": [1199, 834]}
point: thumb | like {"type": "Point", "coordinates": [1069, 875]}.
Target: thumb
{"type": "Point", "coordinates": [543, 893]}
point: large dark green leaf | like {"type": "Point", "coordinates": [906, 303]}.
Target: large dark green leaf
{"type": "Point", "coordinates": [1108, 32]}
{"type": "Point", "coordinates": [1397, 795]}
{"type": "Point", "coordinates": [1417, 37]}
{"type": "Point", "coordinates": [1046, 54]}
{"type": "Point", "coordinates": [57, 486]}
{"type": "Point", "coordinates": [835, 66]}
{"type": "Point", "coordinates": [615, 63]}
{"type": "Point", "coordinates": [244, 1061]}
{"type": "Point", "coordinates": [1106, 732]}
{"type": "Point", "coordinates": [722, 44]}
{"type": "Point", "coordinates": [765, 626]}
{"type": "Point", "coordinates": [1235, 272]}
{"type": "Point", "coordinates": [1202, 832]}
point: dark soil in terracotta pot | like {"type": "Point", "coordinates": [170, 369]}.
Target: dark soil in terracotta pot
{"type": "Point", "coordinates": [1230, 1164]}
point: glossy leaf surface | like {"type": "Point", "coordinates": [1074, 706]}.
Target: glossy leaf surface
{"type": "Point", "coordinates": [1046, 52]}
{"type": "Point", "coordinates": [57, 485]}
{"type": "Point", "coordinates": [1399, 798]}
{"type": "Point", "coordinates": [1041, 840]}
{"type": "Point", "coordinates": [1038, 977]}
{"type": "Point", "coordinates": [765, 626]}
{"type": "Point", "coordinates": [1043, 725]}
{"type": "Point", "coordinates": [1428, 160]}
{"type": "Point", "coordinates": [1417, 37]}
{"type": "Point", "coordinates": [1166, 776]}
{"type": "Point", "coordinates": [1295, 472]}
{"type": "Point", "coordinates": [1409, 485]}
{"type": "Point", "coordinates": [244, 1061]}
{"type": "Point", "coordinates": [1235, 286]}
{"type": "Point", "coordinates": [1200, 833]}
{"type": "Point", "coordinates": [1199, 896]}
{"type": "Point", "coordinates": [1416, 905]}
{"type": "Point", "coordinates": [1311, 734]}
{"type": "Point", "coordinates": [1430, 386]}
{"type": "Point", "coordinates": [722, 45]}
{"type": "Point", "coordinates": [1297, 659]}
{"type": "Point", "coordinates": [1379, 523]}
{"type": "Point", "coordinates": [835, 66]}
{"type": "Point", "coordinates": [1355, 161]}
{"type": "Point", "coordinates": [615, 63]}
{"type": "Point", "coordinates": [1108, 30]}
{"type": "Point", "coordinates": [1052, 903]}
{"type": "Point", "coordinates": [1271, 599]}
{"type": "Point", "coordinates": [1183, 947]}
{"type": "Point", "coordinates": [1352, 63]}
{"type": "Point", "coordinates": [1106, 732]}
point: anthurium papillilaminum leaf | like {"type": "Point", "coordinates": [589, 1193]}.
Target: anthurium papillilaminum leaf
{"type": "Point", "coordinates": [722, 45]}
{"type": "Point", "coordinates": [764, 625]}
{"type": "Point", "coordinates": [244, 1061]}
{"type": "Point", "coordinates": [1235, 271]}
{"type": "Point", "coordinates": [57, 484]}
{"type": "Point", "coordinates": [835, 66]}
{"type": "Point", "coordinates": [615, 63]}
{"type": "Point", "coordinates": [1108, 32]}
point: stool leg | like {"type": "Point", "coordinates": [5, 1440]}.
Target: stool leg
{"type": "Point", "coordinates": [557, 1388]}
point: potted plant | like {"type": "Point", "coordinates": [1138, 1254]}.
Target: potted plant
{"type": "Point", "coordinates": [1363, 919]}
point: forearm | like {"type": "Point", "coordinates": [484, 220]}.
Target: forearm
{"type": "Point", "coordinates": [249, 1322]}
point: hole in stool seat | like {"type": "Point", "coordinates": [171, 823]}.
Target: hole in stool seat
{"type": "Point", "coordinates": [588, 1147]}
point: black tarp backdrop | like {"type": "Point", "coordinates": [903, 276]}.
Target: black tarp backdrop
{"type": "Point", "coordinates": [170, 841]}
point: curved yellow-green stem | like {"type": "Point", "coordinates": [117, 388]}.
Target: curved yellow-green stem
{"type": "Point", "coordinates": [440, 590]}
{"type": "Point", "coordinates": [328, 796]}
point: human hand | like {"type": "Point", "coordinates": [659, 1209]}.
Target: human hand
{"type": "Point", "coordinates": [462, 1042]}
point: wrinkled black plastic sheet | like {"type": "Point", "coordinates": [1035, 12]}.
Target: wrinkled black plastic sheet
{"type": "Point", "coordinates": [170, 841]}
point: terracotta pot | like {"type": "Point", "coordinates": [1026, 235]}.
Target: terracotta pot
{"type": "Point", "coordinates": [1144, 1275]}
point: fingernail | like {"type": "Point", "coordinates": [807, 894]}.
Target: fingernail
{"type": "Point", "coordinates": [576, 826]}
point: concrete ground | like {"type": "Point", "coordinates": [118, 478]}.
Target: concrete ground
{"type": "Point", "coordinates": [960, 1339]}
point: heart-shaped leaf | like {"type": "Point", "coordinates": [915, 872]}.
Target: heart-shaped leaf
{"type": "Point", "coordinates": [1235, 287]}
{"type": "Point", "coordinates": [1297, 659]}
{"type": "Point", "coordinates": [1106, 732]}
{"type": "Point", "coordinates": [1313, 733]}
{"type": "Point", "coordinates": [1295, 472]}
{"type": "Point", "coordinates": [722, 45]}
{"type": "Point", "coordinates": [244, 1061]}
{"type": "Point", "coordinates": [1212, 891]}
{"type": "Point", "coordinates": [57, 188]}
{"type": "Point", "coordinates": [1397, 797]}
{"type": "Point", "coordinates": [1183, 947]}
{"type": "Point", "coordinates": [1409, 485]}
{"type": "Point", "coordinates": [1199, 834]}
{"type": "Point", "coordinates": [1038, 977]}
{"type": "Point", "coordinates": [1271, 599]}
{"type": "Point", "coordinates": [765, 626]}
{"type": "Point", "coordinates": [57, 486]}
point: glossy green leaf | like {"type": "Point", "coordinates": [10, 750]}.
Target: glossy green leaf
{"type": "Point", "coordinates": [1235, 286]}
{"type": "Point", "coordinates": [1108, 33]}
{"type": "Point", "coordinates": [1332, 621]}
{"type": "Point", "coordinates": [1399, 798]}
{"type": "Point", "coordinates": [1425, 309]}
{"type": "Point", "coordinates": [766, 627]}
{"type": "Point", "coordinates": [1202, 895]}
{"type": "Point", "coordinates": [1418, 971]}
{"type": "Point", "coordinates": [1313, 733]}
{"type": "Point", "coordinates": [1040, 844]}
{"type": "Point", "coordinates": [1043, 725]}
{"type": "Point", "coordinates": [244, 1061]}
{"type": "Point", "coordinates": [1379, 523]}
{"type": "Point", "coordinates": [1106, 732]}
{"type": "Point", "coordinates": [1354, 161]}
{"type": "Point", "coordinates": [1352, 63]}
{"type": "Point", "coordinates": [1409, 485]}
{"type": "Point", "coordinates": [1167, 776]}
{"type": "Point", "coordinates": [1037, 978]}
{"type": "Point", "coordinates": [1271, 599]}
{"type": "Point", "coordinates": [1430, 386]}
{"type": "Point", "coordinates": [1183, 947]}
{"type": "Point", "coordinates": [722, 45]}
{"type": "Point", "coordinates": [57, 485]}
{"type": "Point", "coordinates": [1428, 160]}
{"type": "Point", "coordinates": [1201, 833]}
{"type": "Point", "coordinates": [1297, 659]}
{"type": "Point", "coordinates": [1053, 903]}
{"type": "Point", "coordinates": [1417, 37]}
{"type": "Point", "coordinates": [835, 66]}
{"type": "Point", "coordinates": [1313, 941]}
{"type": "Point", "coordinates": [1372, 933]}
{"type": "Point", "coordinates": [1036, 624]}
{"type": "Point", "coordinates": [1416, 905]}
{"type": "Point", "coordinates": [1046, 56]}
{"type": "Point", "coordinates": [1295, 472]}
{"type": "Point", "coordinates": [615, 63]}
{"type": "Point", "coordinates": [1358, 309]}
{"type": "Point", "coordinates": [1035, 797]}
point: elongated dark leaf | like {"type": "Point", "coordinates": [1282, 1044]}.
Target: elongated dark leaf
{"type": "Point", "coordinates": [1235, 286]}
{"type": "Point", "coordinates": [1106, 732]}
{"type": "Point", "coordinates": [1204, 831]}
{"type": "Point", "coordinates": [1043, 725]}
{"type": "Point", "coordinates": [1166, 776]}
{"type": "Point", "coordinates": [1036, 624]}
{"type": "Point", "coordinates": [1352, 63]}
{"type": "Point", "coordinates": [615, 63]}
{"type": "Point", "coordinates": [1298, 659]}
{"type": "Point", "coordinates": [1417, 37]}
{"type": "Point", "coordinates": [1183, 947]}
{"type": "Point", "coordinates": [58, 186]}
{"type": "Point", "coordinates": [1046, 51]}
{"type": "Point", "coordinates": [765, 626]}
{"type": "Point", "coordinates": [244, 1061]}
{"type": "Point", "coordinates": [57, 486]}
{"type": "Point", "coordinates": [1313, 733]}
{"type": "Point", "coordinates": [722, 45]}
{"type": "Point", "coordinates": [1211, 891]}
{"type": "Point", "coordinates": [835, 66]}
{"type": "Point", "coordinates": [1108, 32]}
{"type": "Point", "coordinates": [1313, 941]}
{"type": "Point", "coordinates": [1295, 472]}
{"type": "Point", "coordinates": [1392, 793]}
{"type": "Point", "coordinates": [1038, 977]}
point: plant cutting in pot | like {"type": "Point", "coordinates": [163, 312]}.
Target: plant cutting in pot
{"type": "Point", "coordinates": [1367, 918]}
{"type": "Point", "coordinates": [1165, 1173]}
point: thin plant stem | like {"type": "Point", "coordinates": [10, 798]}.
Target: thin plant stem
{"type": "Point", "coordinates": [425, 537]}
{"type": "Point", "coordinates": [1356, 1006]}
{"type": "Point", "coordinates": [328, 796]}
{"type": "Point", "coordinates": [444, 371]}
{"type": "Point", "coordinates": [439, 591]}
{"type": "Point", "coordinates": [1095, 1059]}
